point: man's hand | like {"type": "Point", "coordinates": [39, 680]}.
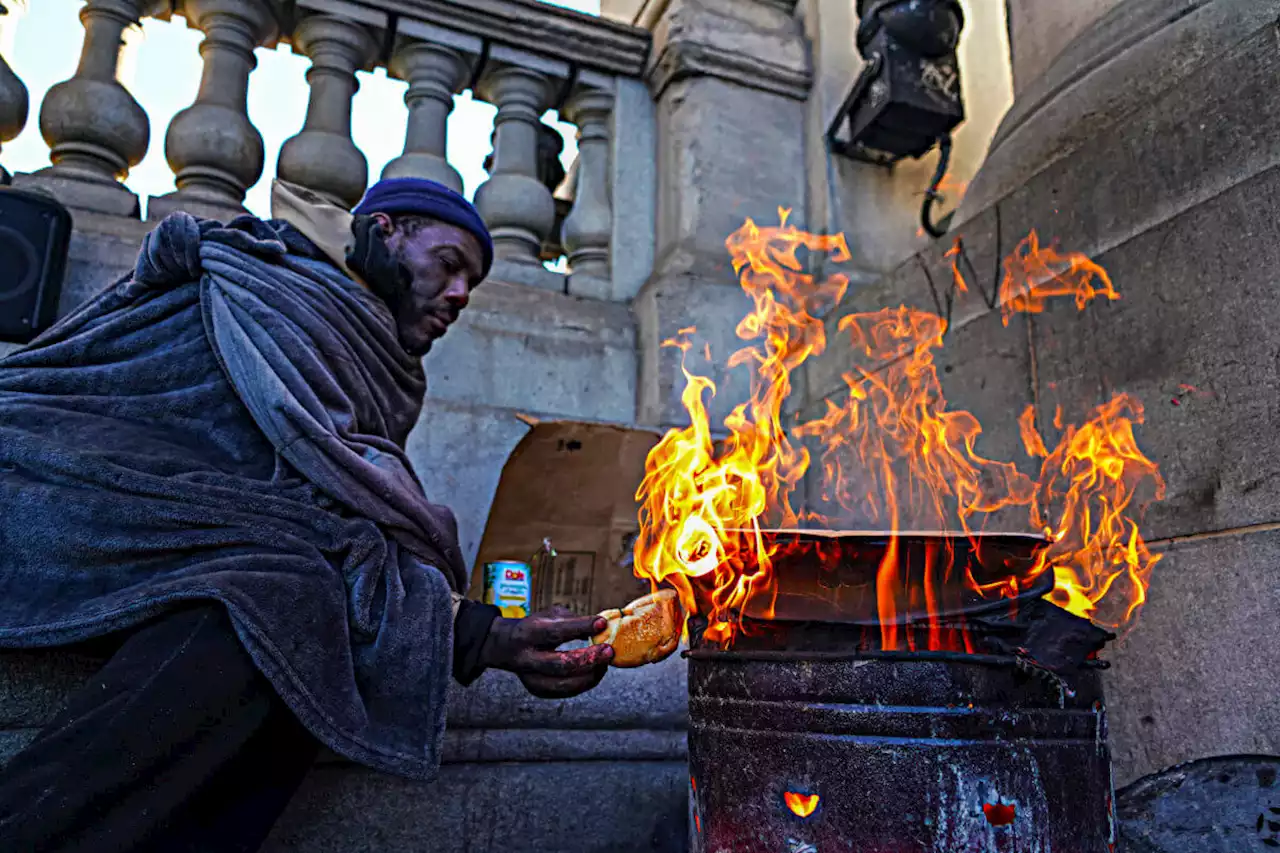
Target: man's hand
{"type": "Point", "coordinates": [527, 647]}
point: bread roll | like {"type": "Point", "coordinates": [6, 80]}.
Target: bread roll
{"type": "Point", "coordinates": [645, 631]}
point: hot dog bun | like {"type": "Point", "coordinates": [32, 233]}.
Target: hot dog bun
{"type": "Point", "coordinates": [645, 631]}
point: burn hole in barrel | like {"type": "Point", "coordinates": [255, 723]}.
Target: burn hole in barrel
{"type": "Point", "coordinates": [999, 814]}
{"type": "Point", "coordinates": [800, 804]}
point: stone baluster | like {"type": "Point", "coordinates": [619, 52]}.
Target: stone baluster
{"type": "Point", "coordinates": [435, 70]}
{"type": "Point", "coordinates": [588, 229]}
{"type": "Point", "coordinates": [215, 152]}
{"type": "Point", "coordinates": [95, 129]}
{"type": "Point", "coordinates": [323, 157]}
{"type": "Point", "coordinates": [515, 204]}
{"type": "Point", "coordinates": [14, 106]}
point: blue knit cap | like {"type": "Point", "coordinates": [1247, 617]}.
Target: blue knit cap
{"type": "Point", "coordinates": [421, 197]}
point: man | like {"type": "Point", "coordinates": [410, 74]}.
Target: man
{"type": "Point", "coordinates": [203, 468]}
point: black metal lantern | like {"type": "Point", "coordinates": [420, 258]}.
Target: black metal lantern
{"type": "Point", "coordinates": [907, 98]}
{"type": "Point", "coordinates": [908, 95]}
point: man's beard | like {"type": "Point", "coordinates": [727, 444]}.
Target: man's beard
{"type": "Point", "coordinates": [420, 350]}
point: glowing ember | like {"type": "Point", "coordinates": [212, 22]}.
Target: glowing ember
{"type": "Point", "coordinates": [894, 457]}
{"type": "Point", "coordinates": [999, 814]}
{"type": "Point", "coordinates": [801, 805]}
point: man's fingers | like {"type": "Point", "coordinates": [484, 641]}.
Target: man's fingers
{"type": "Point", "coordinates": [569, 664]}
{"type": "Point", "coordinates": [551, 632]}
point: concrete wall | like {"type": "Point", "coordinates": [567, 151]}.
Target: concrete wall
{"type": "Point", "coordinates": [1040, 29]}
{"type": "Point", "coordinates": [515, 350]}
{"type": "Point", "coordinates": [879, 209]}
{"type": "Point", "coordinates": [1171, 193]}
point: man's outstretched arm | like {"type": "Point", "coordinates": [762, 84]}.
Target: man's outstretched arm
{"type": "Point", "coordinates": [529, 648]}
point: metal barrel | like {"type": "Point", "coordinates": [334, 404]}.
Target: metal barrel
{"type": "Point", "coordinates": [894, 752]}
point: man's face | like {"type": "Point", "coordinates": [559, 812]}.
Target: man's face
{"type": "Point", "coordinates": [444, 263]}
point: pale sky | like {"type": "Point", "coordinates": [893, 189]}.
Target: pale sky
{"type": "Point", "coordinates": [162, 69]}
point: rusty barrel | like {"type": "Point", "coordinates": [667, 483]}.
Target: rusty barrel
{"type": "Point", "coordinates": [929, 752]}
{"type": "Point", "coordinates": [808, 735]}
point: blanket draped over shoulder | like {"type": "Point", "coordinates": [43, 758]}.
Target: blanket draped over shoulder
{"type": "Point", "coordinates": [226, 423]}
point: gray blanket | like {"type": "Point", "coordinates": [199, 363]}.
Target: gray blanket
{"type": "Point", "coordinates": [226, 423]}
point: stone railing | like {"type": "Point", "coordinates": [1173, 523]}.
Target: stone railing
{"type": "Point", "coordinates": [522, 56]}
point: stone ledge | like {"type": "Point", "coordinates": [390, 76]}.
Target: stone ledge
{"type": "Point", "coordinates": [501, 305]}
{"type": "Point", "coordinates": [547, 807]}
{"type": "Point", "coordinates": [482, 745]}
{"type": "Point", "coordinates": [679, 61]}
{"type": "Point", "coordinates": [584, 40]}
{"type": "Point", "coordinates": [758, 45]}
{"type": "Point", "coordinates": [91, 195]}
{"type": "Point", "coordinates": [526, 350]}
{"type": "Point", "coordinates": [528, 275]}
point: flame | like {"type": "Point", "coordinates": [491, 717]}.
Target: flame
{"type": "Point", "coordinates": [703, 504]}
{"type": "Point", "coordinates": [801, 805]}
{"type": "Point", "coordinates": [1086, 486]}
{"type": "Point", "coordinates": [893, 456]}
{"type": "Point", "coordinates": [1032, 275]}
{"type": "Point", "coordinates": [953, 254]}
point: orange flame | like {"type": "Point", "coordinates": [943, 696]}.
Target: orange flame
{"type": "Point", "coordinates": [953, 254]}
{"type": "Point", "coordinates": [801, 805]}
{"type": "Point", "coordinates": [1033, 275]}
{"type": "Point", "coordinates": [894, 457]}
{"type": "Point", "coordinates": [702, 505]}
{"type": "Point", "coordinates": [1086, 486]}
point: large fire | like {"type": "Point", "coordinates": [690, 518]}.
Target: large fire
{"type": "Point", "coordinates": [893, 456]}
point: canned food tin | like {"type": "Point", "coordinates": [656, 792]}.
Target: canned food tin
{"type": "Point", "coordinates": [506, 585]}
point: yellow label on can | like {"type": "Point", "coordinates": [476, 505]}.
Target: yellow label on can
{"type": "Point", "coordinates": [507, 586]}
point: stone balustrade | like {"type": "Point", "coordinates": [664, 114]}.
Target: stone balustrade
{"type": "Point", "coordinates": [522, 56]}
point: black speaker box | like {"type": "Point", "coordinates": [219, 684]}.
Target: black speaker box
{"type": "Point", "coordinates": [35, 231]}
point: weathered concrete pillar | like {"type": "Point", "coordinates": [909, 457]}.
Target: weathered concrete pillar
{"type": "Point", "coordinates": [95, 129]}
{"type": "Point", "coordinates": [323, 157]}
{"type": "Point", "coordinates": [1040, 29]}
{"type": "Point", "coordinates": [730, 78]}
{"type": "Point", "coordinates": [516, 205]}
{"type": "Point", "coordinates": [435, 70]}
{"type": "Point", "coordinates": [588, 228]}
{"type": "Point", "coordinates": [215, 152]}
